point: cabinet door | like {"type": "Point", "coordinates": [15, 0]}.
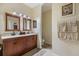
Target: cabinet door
{"type": "Point", "coordinates": [34, 40]}
{"type": "Point", "coordinates": [30, 42]}
{"type": "Point", "coordinates": [8, 47]}
{"type": "Point", "coordinates": [26, 44]}
{"type": "Point", "coordinates": [19, 46]}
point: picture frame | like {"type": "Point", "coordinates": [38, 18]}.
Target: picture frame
{"type": "Point", "coordinates": [34, 24]}
{"type": "Point", "coordinates": [68, 9]}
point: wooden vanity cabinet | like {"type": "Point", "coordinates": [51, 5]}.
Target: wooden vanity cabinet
{"type": "Point", "coordinates": [19, 46]}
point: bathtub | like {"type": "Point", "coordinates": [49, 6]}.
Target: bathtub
{"type": "Point", "coordinates": [45, 52]}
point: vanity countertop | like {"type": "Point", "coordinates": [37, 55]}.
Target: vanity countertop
{"type": "Point", "coordinates": [6, 37]}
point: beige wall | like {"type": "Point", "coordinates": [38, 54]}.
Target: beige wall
{"type": "Point", "coordinates": [47, 26]}
{"type": "Point", "coordinates": [37, 17]}
{"type": "Point", "coordinates": [62, 47]}
{"type": "Point", "coordinates": [10, 8]}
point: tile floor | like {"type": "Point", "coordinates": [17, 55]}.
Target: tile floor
{"type": "Point", "coordinates": [36, 50]}
{"type": "Point", "coordinates": [45, 52]}
{"type": "Point", "coordinates": [47, 46]}
{"type": "Point", "coordinates": [32, 52]}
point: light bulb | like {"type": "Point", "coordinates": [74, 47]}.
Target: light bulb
{"type": "Point", "coordinates": [14, 13]}
{"type": "Point", "coordinates": [20, 14]}
{"type": "Point", "coordinates": [28, 17]}
{"type": "Point", "coordinates": [24, 16]}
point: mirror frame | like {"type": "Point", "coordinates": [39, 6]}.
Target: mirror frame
{"type": "Point", "coordinates": [23, 24]}
{"type": "Point", "coordinates": [10, 15]}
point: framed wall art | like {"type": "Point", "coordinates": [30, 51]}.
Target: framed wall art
{"type": "Point", "coordinates": [68, 9]}
{"type": "Point", "coordinates": [34, 24]}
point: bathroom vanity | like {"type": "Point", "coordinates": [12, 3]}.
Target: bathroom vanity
{"type": "Point", "coordinates": [18, 44]}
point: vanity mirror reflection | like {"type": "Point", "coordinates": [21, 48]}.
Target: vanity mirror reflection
{"type": "Point", "coordinates": [26, 24]}
{"type": "Point", "coordinates": [12, 22]}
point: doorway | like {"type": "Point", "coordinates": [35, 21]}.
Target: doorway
{"type": "Point", "coordinates": [47, 25]}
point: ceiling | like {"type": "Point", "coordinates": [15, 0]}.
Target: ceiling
{"type": "Point", "coordinates": [32, 5]}
{"type": "Point", "coordinates": [45, 6]}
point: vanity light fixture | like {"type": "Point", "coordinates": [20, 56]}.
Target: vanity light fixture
{"type": "Point", "coordinates": [29, 17]}
{"type": "Point", "coordinates": [24, 16]}
{"type": "Point", "coordinates": [14, 13]}
{"type": "Point", "coordinates": [20, 14]}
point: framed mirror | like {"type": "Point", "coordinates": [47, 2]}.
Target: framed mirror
{"type": "Point", "coordinates": [12, 22]}
{"type": "Point", "coordinates": [26, 24]}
